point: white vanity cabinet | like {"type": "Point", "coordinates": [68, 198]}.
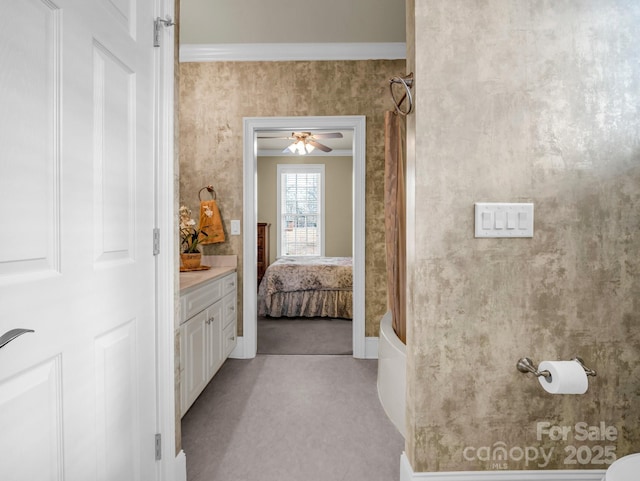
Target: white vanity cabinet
{"type": "Point", "coordinates": [207, 334]}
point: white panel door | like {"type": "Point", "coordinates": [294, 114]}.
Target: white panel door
{"type": "Point", "coordinates": [77, 396]}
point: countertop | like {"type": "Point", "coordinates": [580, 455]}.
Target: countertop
{"type": "Point", "coordinates": [194, 278]}
{"type": "Point", "coordinates": [220, 266]}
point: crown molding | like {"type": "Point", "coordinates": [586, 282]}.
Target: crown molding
{"type": "Point", "coordinates": [247, 52]}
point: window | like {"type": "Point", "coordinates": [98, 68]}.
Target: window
{"type": "Point", "coordinates": [300, 210]}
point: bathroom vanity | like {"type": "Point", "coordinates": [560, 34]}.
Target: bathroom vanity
{"type": "Point", "coordinates": [207, 327]}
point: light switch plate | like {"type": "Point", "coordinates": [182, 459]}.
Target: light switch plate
{"type": "Point", "coordinates": [497, 219]}
{"type": "Point", "coordinates": [235, 227]}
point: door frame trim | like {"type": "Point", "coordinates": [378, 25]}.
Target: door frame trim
{"type": "Point", "coordinates": [247, 345]}
{"type": "Point", "coordinates": [166, 260]}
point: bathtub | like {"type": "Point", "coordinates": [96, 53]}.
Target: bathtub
{"type": "Point", "coordinates": [392, 377]}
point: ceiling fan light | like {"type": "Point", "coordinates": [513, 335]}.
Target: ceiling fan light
{"type": "Point", "coordinates": [292, 148]}
{"type": "Point", "coordinates": [300, 146]}
{"type": "Point", "coordinates": [310, 148]}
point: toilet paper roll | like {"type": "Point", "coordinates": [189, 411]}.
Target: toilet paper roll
{"type": "Point", "coordinates": [567, 377]}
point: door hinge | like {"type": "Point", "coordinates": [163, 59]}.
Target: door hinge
{"type": "Point", "coordinates": [157, 23]}
{"type": "Point", "coordinates": [156, 241]}
{"type": "Point", "coordinates": [158, 447]}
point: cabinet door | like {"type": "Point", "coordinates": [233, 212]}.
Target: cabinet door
{"type": "Point", "coordinates": [194, 339]}
{"type": "Point", "coordinates": [214, 338]}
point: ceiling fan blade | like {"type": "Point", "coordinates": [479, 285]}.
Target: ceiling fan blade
{"type": "Point", "coordinates": [274, 137]}
{"type": "Point", "coordinates": [329, 135]}
{"type": "Point", "coordinates": [317, 145]}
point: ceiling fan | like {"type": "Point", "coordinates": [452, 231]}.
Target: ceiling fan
{"type": "Point", "coordinates": [305, 142]}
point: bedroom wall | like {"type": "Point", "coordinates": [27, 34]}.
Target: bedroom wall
{"type": "Point", "coordinates": [214, 98]}
{"type": "Point", "coordinates": [338, 198]}
{"type": "Point", "coordinates": [523, 101]}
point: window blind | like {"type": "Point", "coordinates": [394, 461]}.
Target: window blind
{"type": "Point", "coordinates": [300, 213]}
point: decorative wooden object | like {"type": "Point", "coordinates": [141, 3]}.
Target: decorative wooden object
{"type": "Point", "coordinates": [263, 249]}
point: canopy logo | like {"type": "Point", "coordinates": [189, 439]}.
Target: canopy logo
{"type": "Point", "coordinates": [499, 455]}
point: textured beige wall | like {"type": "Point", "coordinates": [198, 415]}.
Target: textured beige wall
{"type": "Point", "coordinates": [257, 21]}
{"type": "Point", "coordinates": [338, 197]}
{"type": "Point", "coordinates": [214, 98]}
{"type": "Point", "coordinates": [521, 100]}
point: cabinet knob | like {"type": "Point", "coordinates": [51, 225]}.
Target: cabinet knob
{"type": "Point", "coordinates": [211, 319]}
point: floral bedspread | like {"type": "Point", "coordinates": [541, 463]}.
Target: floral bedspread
{"type": "Point", "coordinates": [290, 274]}
{"type": "Point", "coordinates": [307, 287]}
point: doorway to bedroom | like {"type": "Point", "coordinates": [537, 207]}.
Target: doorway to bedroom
{"type": "Point", "coordinates": [338, 228]}
{"type": "Point", "coordinates": [305, 242]}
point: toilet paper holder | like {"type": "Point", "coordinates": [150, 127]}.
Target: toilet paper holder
{"type": "Point", "coordinates": [526, 365]}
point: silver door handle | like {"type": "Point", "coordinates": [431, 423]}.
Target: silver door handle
{"type": "Point", "coordinates": [9, 336]}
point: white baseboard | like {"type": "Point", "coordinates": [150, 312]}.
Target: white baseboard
{"type": "Point", "coordinates": [181, 467]}
{"type": "Point", "coordinates": [371, 347]}
{"type": "Point", "coordinates": [238, 351]}
{"type": "Point", "coordinates": [243, 52]}
{"type": "Point", "coordinates": [407, 474]}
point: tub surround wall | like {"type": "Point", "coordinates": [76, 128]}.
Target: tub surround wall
{"type": "Point", "coordinates": [215, 97]}
{"type": "Point", "coordinates": [392, 378]}
{"type": "Point", "coordinates": [523, 101]}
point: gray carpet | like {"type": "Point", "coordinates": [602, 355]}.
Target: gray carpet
{"type": "Point", "coordinates": [291, 418]}
{"type": "Point", "coordinates": [305, 336]}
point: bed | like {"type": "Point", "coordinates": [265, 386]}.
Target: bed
{"type": "Point", "coordinates": [307, 287]}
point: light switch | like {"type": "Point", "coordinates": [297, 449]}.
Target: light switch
{"type": "Point", "coordinates": [487, 220]}
{"type": "Point", "coordinates": [509, 220]}
{"type": "Point", "coordinates": [235, 227]}
{"type": "Point", "coordinates": [522, 220]}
